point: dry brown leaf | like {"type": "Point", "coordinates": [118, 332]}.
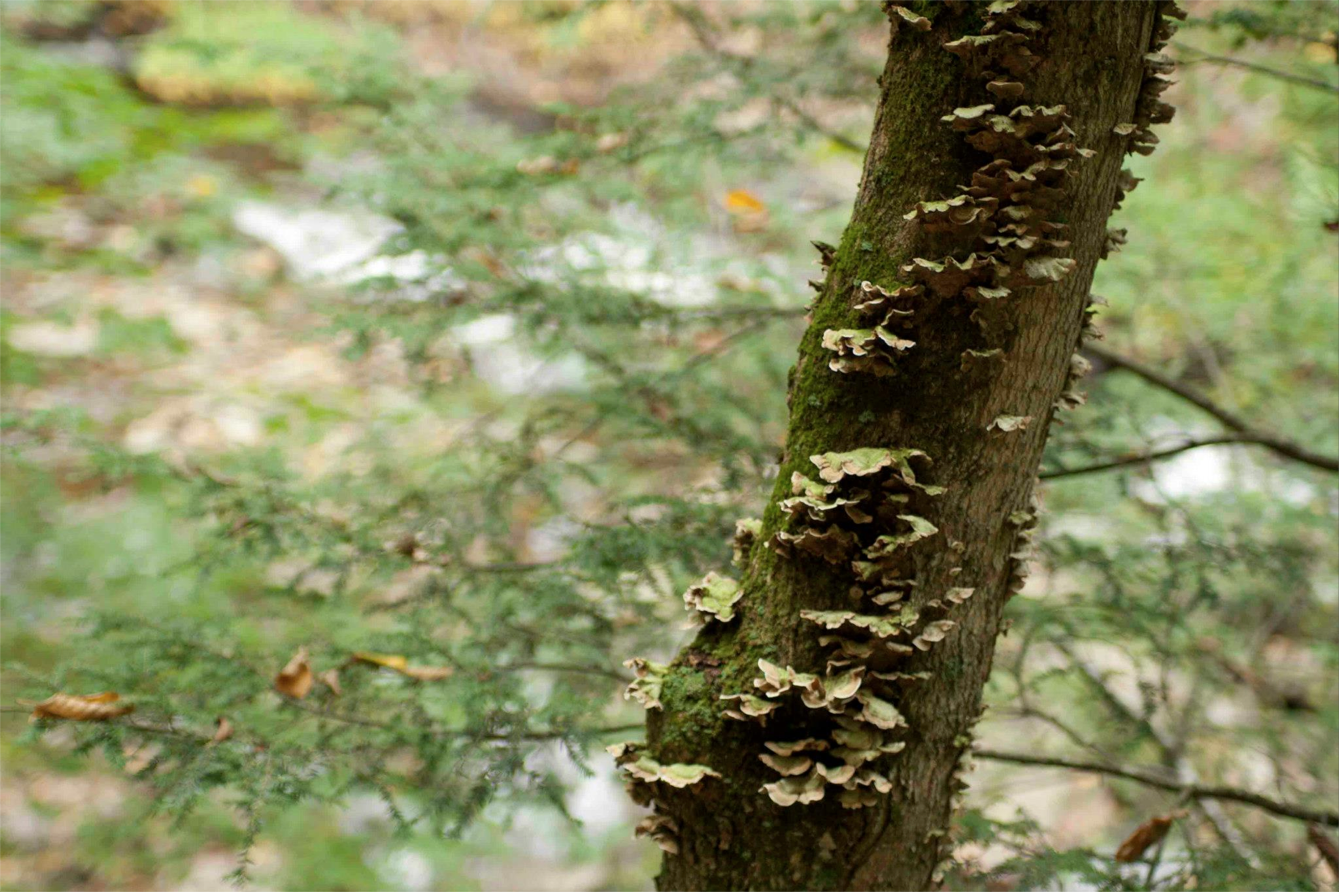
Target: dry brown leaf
{"type": "Point", "coordinates": [400, 664]}
{"type": "Point", "coordinates": [295, 680]}
{"type": "Point", "coordinates": [330, 678]}
{"type": "Point", "coordinates": [1147, 834]}
{"type": "Point", "coordinates": [222, 731]}
{"type": "Point", "coordinates": [81, 707]}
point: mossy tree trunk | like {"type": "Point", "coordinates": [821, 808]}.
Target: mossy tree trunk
{"type": "Point", "coordinates": [971, 362]}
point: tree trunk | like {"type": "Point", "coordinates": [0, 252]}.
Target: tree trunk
{"type": "Point", "coordinates": [862, 565]}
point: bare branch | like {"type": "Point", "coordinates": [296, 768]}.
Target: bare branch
{"type": "Point", "coordinates": [1194, 791]}
{"type": "Point", "coordinates": [1288, 76]}
{"type": "Point", "coordinates": [1141, 458]}
{"type": "Point", "coordinates": [1231, 420]}
{"type": "Point", "coordinates": [1326, 846]}
{"type": "Point", "coordinates": [697, 23]}
{"type": "Point", "coordinates": [1173, 752]}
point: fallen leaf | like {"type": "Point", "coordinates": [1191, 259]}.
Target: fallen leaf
{"type": "Point", "coordinates": [295, 680]}
{"type": "Point", "coordinates": [398, 663]}
{"type": "Point", "coordinates": [1147, 834]}
{"type": "Point", "coordinates": [330, 678]}
{"type": "Point", "coordinates": [391, 661]}
{"type": "Point", "coordinates": [610, 142]}
{"type": "Point", "coordinates": [81, 707]}
{"type": "Point", "coordinates": [547, 164]}
{"type": "Point", "coordinates": [534, 167]}
{"type": "Point", "coordinates": [742, 201]}
{"type": "Point", "coordinates": [747, 211]}
{"type": "Point", "coordinates": [222, 731]}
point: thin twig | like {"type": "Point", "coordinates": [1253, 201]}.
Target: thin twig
{"type": "Point", "coordinates": [1173, 752]}
{"type": "Point", "coordinates": [363, 721]}
{"type": "Point", "coordinates": [1194, 791]}
{"type": "Point", "coordinates": [696, 22]}
{"type": "Point", "coordinates": [813, 124]}
{"type": "Point", "coordinates": [1214, 59]}
{"type": "Point", "coordinates": [566, 667]}
{"type": "Point", "coordinates": [1142, 458]}
{"type": "Point", "coordinates": [1229, 419]}
{"type": "Point", "coordinates": [1326, 846]}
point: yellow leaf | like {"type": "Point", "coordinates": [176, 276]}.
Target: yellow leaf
{"type": "Point", "coordinates": [202, 185]}
{"type": "Point", "coordinates": [295, 679]}
{"type": "Point", "coordinates": [81, 707]}
{"type": "Point", "coordinates": [1320, 51]}
{"type": "Point", "coordinates": [398, 663]}
{"type": "Point", "coordinates": [742, 201]}
{"type": "Point", "coordinates": [390, 661]}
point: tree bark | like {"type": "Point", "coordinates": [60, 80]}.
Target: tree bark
{"type": "Point", "coordinates": [948, 395]}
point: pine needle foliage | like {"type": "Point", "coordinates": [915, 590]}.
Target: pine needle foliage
{"type": "Point", "coordinates": [641, 261]}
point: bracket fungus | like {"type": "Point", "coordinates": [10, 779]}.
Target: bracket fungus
{"type": "Point", "coordinates": [714, 597]}
{"type": "Point", "coordinates": [869, 509]}
{"type": "Point", "coordinates": [747, 531]}
{"type": "Point", "coordinates": [787, 766]}
{"type": "Point", "coordinates": [832, 544]}
{"type": "Point", "coordinates": [864, 349]}
{"type": "Point", "coordinates": [790, 790]}
{"type": "Point", "coordinates": [890, 626]}
{"type": "Point", "coordinates": [749, 707]}
{"type": "Point", "coordinates": [645, 688]}
{"type": "Point", "coordinates": [790, 747]}
{"type": "Point", "coordinates": [932, 633]}
{"type": "Point", "coordinates": [919, 22]}
{"type": "Point", "coordinates": [662, 829]}
{"type": "Point", "coordinates": [644, 769]}
{"type": "Point", "coordinates": [776, 681]}
{"type": "Point", "coordinates": [1009, 423]}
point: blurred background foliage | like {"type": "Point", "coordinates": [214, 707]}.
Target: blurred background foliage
{"type": "Point", "coordinates": [459, 332]}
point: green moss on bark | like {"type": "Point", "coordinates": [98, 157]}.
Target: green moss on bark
{"type": "Point", "coordinates": [930, 405]}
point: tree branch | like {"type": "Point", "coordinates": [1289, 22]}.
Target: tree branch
{"type": "Point", "coordinates": [697, 23]}
{"type": "Point", "coordinates": [1173, 752]}
{"type": "Point", "coordinates": [1141, 458]}
{"type": "Point", "coordinates": [1194, 791]}
{"type": "Point", "coordinates": [1213, 59]}
{"type": "Point", "coordinates": [1328, 850]}
{"type": "Point", "coordinates": [1234, 422]}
